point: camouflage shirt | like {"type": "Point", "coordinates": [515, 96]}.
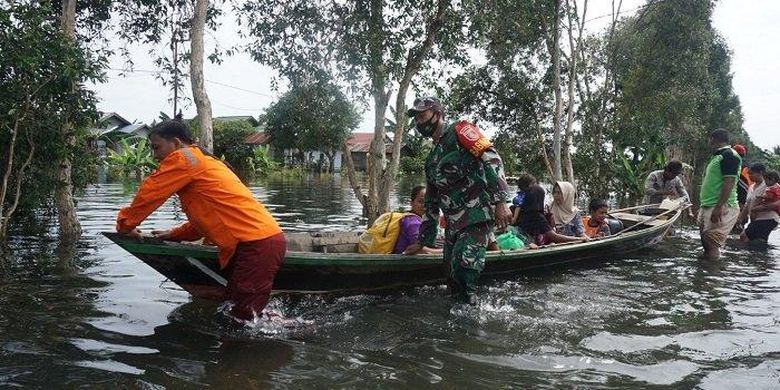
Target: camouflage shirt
{"type": "Point", "coordinates": [464, 177]}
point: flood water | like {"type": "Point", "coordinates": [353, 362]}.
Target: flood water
{"type": "Point", "coordinates": [95, 316]}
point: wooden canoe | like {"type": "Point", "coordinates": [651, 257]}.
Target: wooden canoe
{"type": "Point", "coordinates": [327, 262]}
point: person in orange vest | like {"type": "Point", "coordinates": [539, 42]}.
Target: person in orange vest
{"type": "Point", "coordinates": [219, 207]}
{"type": "Point", "coordinates": [744, 176]}
{"type": "Point", "coordinates": [744, 184]}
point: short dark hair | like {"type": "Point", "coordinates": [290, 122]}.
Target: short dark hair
{"type": "Point", "coordinates": [674, 166]}
{"type": "Point", "coordinates": [596, 204]}
{"type": "Point", "coordinates": [720, 135]}
{"type": "Point", "coordinates": [416, 191]}
{"type": "Point", "coordinates": [758, 168]}
{"type": "Point", "coordinates": [525, 180]}
{"type": "Point", "coordinates": [773, 176]}
{"type": "Point", "coordinates": [173, 128]}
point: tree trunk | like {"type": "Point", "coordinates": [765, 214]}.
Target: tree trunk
{"type": "Point", "coordinates": [376, 159]}
{"type": "Point", "coordinates": [349, 164]}
{"type": "Point", "coordinates": [381, 175]}
{"type": "Point", "coordinates": [414, 60]}
{"type": "Point", "coordinates": [543, 149]}
{"type": "Point", "coordinates": [69, 227]}
{"type": "Point", "coordinates": [574, 50]}
{"type": "Point", "coordinates": [5, 216]}
{"type": "Point", "coordinates": [202, 102]}
{"type": "Point", "coordinates": [556, 62]}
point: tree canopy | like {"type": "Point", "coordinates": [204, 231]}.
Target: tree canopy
{"type": "Point", "coordinates": [38, 66]}
{"type": "Point", "coordinates": [313, 115]}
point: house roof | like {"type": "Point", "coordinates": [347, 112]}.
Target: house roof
{"type": "Point", "coordinates": [361, 142]}
{"type": "Point", "coordinates": [258, 138]}
{"type": "Point", "coordinates": [234, 118]}
{"type": "Point", "coordinates": [108, 115]}
{"type": "Point", "coordinates": [114, 122]}
{"type": "Point", "coordinates": [133, 128]}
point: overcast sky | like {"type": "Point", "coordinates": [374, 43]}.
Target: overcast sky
{"type": "Point", "coordinates": [240, 86]}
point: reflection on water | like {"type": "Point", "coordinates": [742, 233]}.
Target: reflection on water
{"type": "Point", "coordinates": [93, 315]}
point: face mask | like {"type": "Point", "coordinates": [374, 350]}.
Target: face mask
{"type": "Point", "coordinates": [426, 129]}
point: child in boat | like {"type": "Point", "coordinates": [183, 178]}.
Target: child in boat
{"type": "Point", "coordinates": [219, 207]}
{"type": "Point", "coordinates": [596, 224]}
{"type": "Point", "coordinates": [532, 220]}
{"type": "Point", "coordinates": [410, 224]}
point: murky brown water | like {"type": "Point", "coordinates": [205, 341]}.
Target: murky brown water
{"type": "Point", "coordinates": [95, 316]}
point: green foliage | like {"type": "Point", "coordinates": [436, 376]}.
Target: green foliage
{"type": "Point", "coordinates": [673, 82]}
{"type": "Point", "coordinates": [134, 159]}
{"type": "Point", "coordinates": [630, 174]}
{"type": "Point", "coordinates": [364, 44]}
{"type": "Point", "coordinates": [229, 143]}
{"type": "Point", "coordinates": [412, 165]}
{"type": "Point", "coordinates": [38, 68]}
{"type": "Point", "coordinates": [770, 158]}
{"type": "Point", "coordinates": [415, 148]}
{"type": "Point", "coordinates": [512, 90]}
{"type": "Point", "coordinates": [261, 162]}
{"type": "Point", "coordinates": [311, 116]}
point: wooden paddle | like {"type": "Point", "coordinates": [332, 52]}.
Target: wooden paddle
{"type": "Point", "coordinates": [680, 207]}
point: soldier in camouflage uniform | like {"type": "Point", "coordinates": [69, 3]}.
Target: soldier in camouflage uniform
{"type": "Point", "coordinates": [465, 179]}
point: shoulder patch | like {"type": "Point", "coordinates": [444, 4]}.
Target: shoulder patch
{"type": "Point", "coordinates": [191, 159]}
{"type": "Point", "coordinates": [471, 138]}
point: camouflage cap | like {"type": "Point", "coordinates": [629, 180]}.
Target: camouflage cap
{"type": "Point", "coordinates": [424, 104]}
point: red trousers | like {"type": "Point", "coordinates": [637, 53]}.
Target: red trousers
{"type": "Point", "coordinates": [251, 274]}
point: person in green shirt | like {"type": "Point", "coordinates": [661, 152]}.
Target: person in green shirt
{"type": "Point", "coordinates": [718, 207]}
{"type": "Point", "coordinates": [465, 179]}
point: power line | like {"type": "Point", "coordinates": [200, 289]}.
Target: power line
{"type": "Point", "coordinates": [619, 13]}
{"type": "Point", "coordinates": [159, 72]}
{"type": "Point", "coordinates": [239, 88]}
{"type": "Point", "coordinates": [239, 108]}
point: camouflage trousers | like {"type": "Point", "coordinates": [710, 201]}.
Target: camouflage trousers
{"type": "Point", "coordinates": [464, 251]}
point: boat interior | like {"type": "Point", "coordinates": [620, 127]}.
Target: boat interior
{"type": "Point", "coordinates": [323, 242]}
{"type": "Point", "coordinates": [347, 242]}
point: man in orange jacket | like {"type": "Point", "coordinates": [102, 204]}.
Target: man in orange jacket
{"type": "Point", "coordinates": [219, 207]}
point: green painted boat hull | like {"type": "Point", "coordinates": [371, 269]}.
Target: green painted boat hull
{"type": "Point", "coordinates": [195, 268]}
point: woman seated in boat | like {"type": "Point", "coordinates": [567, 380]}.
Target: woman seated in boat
{"type": "Point", "coordinates": [532, 220]}
{"type": "Point", "coordinates": [567, 218]}
{"type": "Point", "coordinates": [410, 224]}
{"type": "Point", "coordinates": [219, 207]}
{"type": "Point", "coordinates": [596, 224]}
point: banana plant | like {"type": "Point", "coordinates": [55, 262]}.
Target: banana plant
{"type": "Point", "coordinates": [133, 159]}
{"type": "Point", "coordinates": [632, 172]}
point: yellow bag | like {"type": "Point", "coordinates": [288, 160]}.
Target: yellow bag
{"type": "Point", "coordinates": [380, 238]}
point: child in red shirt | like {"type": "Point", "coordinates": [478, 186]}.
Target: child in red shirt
{"type": "Point", "coordinates": [772, 192]}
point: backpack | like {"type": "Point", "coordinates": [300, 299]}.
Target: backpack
{"type": "Point", "coordinates": [380, 238]}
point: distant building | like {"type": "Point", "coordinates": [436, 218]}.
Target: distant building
{"type": "Point", "coordinates": [111, 128]}
{"type": "Point", "coordinates": [358, 143]}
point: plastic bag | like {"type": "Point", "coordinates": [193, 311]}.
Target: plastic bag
{"type": "Point", "coordinates": [509, 241]}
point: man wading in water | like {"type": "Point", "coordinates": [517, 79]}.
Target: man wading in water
{"type": "Point", "coordinates": [465, 179]}
{"type": "Point", "coordinates": [219, 207]}
{"type": "Point", "coordinates": [718, 209]}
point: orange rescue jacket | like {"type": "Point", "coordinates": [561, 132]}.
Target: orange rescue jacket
{"type": "Point", "coordinates": [218, 205]}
